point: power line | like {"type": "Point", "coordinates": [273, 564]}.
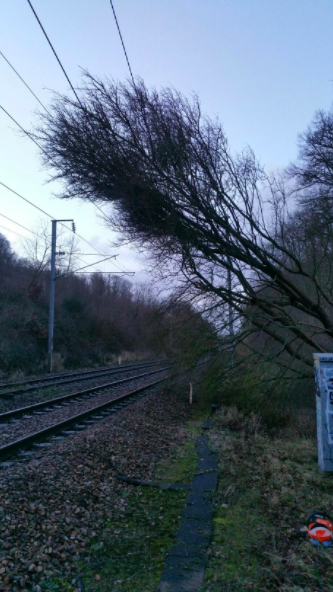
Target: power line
{"type": "Point", "coordinates": [55, 53]}
{"type": "Point", "coordinates": [22, 128]}
{"type": "Point", "coordinates": [88, 265]}
{"type": "Point", "coordinates": [34, 205]}
{"type": "Point", "coordinates": [29, 135]}
{"type": "Point", "coordinates": [13, 231]}
{"type": "Point", "coordinates": [28, 229]}
{"type": "Point", "coordinates": [24, 82]}
{"type": "Point", "coordinates": [33, 139]}
{"type": "Point", "coordinates": [83, 261]}
{"type": "Point", "coordinates": [27, 200]}
{"type": "Point", "coordinates": [122, 41]}
{"type": "Point", "coordinates": [18, 224]}
{"type": "Point", "coordinates": [37, 144]}
{"type": "Point", "coordinates": [105, 272]}
{"type": "Point", "coordinates": [38, 236]}
{"type": "Point", "coordinates": [49, 215]}
{"type": "Point", "coordinates": [84, 254]}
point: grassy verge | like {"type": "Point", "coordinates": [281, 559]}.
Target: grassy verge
{"type": "Point", "coordinates": [267, 487]}
{"type": "Point", "coordinates": [132, 556]}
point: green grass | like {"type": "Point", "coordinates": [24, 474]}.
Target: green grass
{"type": "Point", "coordinates": [133, 559]}
{"type": "Point", "coordinates": [267, 488]}
{"type": "Point", "coordinates": [132, 556]}
{"type": "Point", "coordinates": [179, 468]}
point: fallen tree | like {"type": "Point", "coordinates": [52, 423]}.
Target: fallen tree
{"type": "Point", "coordinates": [208, 216]}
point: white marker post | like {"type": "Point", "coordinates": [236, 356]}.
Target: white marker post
{"type": "Point", "coordinates": [324, 405]}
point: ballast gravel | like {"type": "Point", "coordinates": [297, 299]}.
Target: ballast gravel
{"type": "Point", "coordinates": [58, 390]}
{"type": "Point", "coordinates": [54, 505]}
{"type": "Point", "coordinates": [9, 432]}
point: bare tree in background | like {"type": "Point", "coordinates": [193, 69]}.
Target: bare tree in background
{"type": "Point", "coordinates": [38, 252]}
{"type": "Point", "coordinates": [176, 188]}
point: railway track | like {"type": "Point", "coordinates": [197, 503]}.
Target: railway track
{"type": "Point", "coordinates": [47, 382]}
{"type": "Point", "coordinates": [24, 448]}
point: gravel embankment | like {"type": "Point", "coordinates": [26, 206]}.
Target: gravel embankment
{"type": "Point", "coordinates": [13, 431]}
{"type": "Point", "coordinates": [51, 507]}
{"type": "Point", "coordinates": [51, 392]}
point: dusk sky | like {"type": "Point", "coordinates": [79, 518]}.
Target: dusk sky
{"type": "Point", "coordinates": [263, 66]}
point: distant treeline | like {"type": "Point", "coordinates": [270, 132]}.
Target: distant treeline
{"type": "Point", "coordinates": [97, 317]}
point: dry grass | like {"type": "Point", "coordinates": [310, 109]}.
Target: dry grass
{"type": "Point", "coordinates": [268, 486]}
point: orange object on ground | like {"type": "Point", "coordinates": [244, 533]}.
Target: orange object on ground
{"type": "Point", "coordinates": [320, 527]}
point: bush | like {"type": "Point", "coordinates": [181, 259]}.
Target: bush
{"type": "Point", "coordinates": [279, 402]}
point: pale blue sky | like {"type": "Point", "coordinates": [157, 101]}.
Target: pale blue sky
{"type": "Point", "coordinates": [262, 66]}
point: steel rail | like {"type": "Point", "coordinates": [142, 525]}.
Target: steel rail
{"type": "Point", "coordinates": [10, 450]}
{"type": "Point", "coordinates": [80, 376]}
{"type": "Point", "coordinates": [93, 372]}
{"type": "Point", "coordinates": [14, 413]}
{"type": "Point", "coordinates": [60, 375]}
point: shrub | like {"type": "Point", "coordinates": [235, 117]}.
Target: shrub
{"type": "Point", "coordinates": [278, 402]}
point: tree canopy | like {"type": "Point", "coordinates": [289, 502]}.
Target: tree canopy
{"type": "Point", "coordinates": [176, 187]}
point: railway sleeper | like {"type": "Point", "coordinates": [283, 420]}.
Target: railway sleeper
{"type": "Point", "coordinates": [60, 380]}
{"type": "Point", "coordinates": [67, 400]}
{"type": "Point", "coordinates": [23, 450]}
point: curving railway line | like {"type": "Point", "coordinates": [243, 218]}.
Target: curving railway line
{"type": "Point", "coordinates": [26, 429]}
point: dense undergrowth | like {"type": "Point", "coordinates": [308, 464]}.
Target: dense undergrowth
{"type": "Point", "coordinates": [257, 388]}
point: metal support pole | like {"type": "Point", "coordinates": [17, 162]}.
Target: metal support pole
{"type": "Point", "coordinates": [52, 292]}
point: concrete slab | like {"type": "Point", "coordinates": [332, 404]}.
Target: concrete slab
{"type": "Point", "coordinates": [184, 575]}
{"type": "Point", "coordinates": [184, 566]}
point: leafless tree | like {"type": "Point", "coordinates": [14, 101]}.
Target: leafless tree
{"type": "Point", "coordinates": [176, 188]}
{"type": "Point", "coordinates": [38, 252]}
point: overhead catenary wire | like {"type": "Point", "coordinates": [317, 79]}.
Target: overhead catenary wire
{"type": "Point", "coordinates": [122, 41]}
{"type": "Point", "coordinates": [25, 199]}
{"type": "Point", "coordinates": [27, 133]}
{"type": "Point", "coordinates": [54, 51]}
{"type": "Point", "coordinates": [34, 205]}
{"type": "Point", "coordinates": [18, 224]}
{"type": "Point", "coordinates": [105, 272]}
{"type": "Point", "coordinates": [20, 127]}
{"type": "Point", "coordinates": [88, 265]}
{"type": "Point", "coordinates": [24, 82]}
{"type": "Point", "coordinates": [31, 136]}
{"type": "Point", "coordinates": [35, 234]}
{"type": "Point", "coordinates": [37, 144]}
{"type": "Point", "coordinates": [83, 261]}
{"type": "Point", "coordinates": [13, 231]}
{"type": "Point", "coordinates": [51, 217]}
{"type": "Point", "coordinates": [98, 251]}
